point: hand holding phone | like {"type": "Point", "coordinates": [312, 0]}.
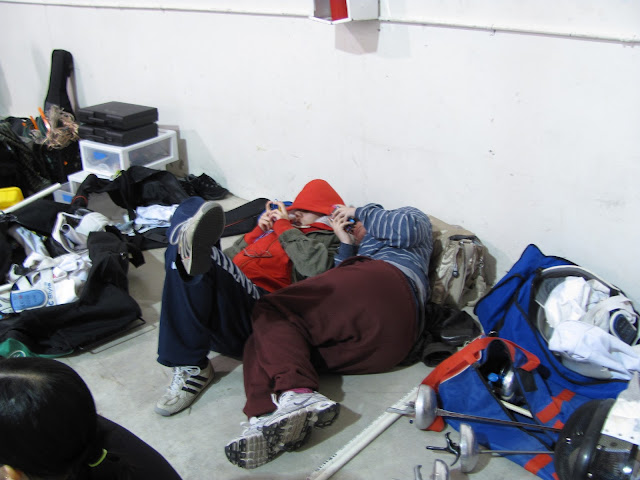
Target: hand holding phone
{"type": "Point", "coordinates": [345, 215]}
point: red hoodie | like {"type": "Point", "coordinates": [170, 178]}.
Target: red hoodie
{"type": "Point", "coordinates": [264, 260]}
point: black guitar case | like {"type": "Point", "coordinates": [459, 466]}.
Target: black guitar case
{"type": "Point", "coordinates": [61, 68]}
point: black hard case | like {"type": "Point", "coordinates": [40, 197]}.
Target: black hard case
{"type": "Point", "coordinates": [118, 115]}
{"type": "Point", "coordinates": [121, 138]}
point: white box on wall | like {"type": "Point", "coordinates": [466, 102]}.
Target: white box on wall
{"type": "Point", "coordinates": [107, 160]}
{"type": "Point", "coordinates": [341, 11]}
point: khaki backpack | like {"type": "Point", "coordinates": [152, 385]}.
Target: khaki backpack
{"type": "Point", "coordinates": [456, 270]}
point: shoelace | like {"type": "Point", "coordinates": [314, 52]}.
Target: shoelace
{"type": "Point", "coordinates": [179, 377]}
{"type": "Point", "coordinates": [288, 397]}
{"type": "Point", "coordinates": [274, 399]}
{"type": "Point", "coordinates": [178, 237]}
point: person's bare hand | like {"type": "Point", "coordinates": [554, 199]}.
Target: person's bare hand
{"type": "Point", "coordinates": [339, 224]}
{"type": "Point", "coordinates": [264, 222]}
{"type": "Point", "coordinates": [343, 212]}
{"type": "Point", "coordinates": [279, 213]}
{"type": "Point", "coordinates": [270, 215]}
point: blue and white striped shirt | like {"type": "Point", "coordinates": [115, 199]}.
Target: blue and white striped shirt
{"type": "Point", "coordinates": [401, 237]}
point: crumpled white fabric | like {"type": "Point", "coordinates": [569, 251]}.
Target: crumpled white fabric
{"type": "Point", "coordinates": [596, 349]}
{"type": "Point", "coordinates": [155, 215]}
{"type": "Point", "coordinates": [623, 420]}
{"type": "Point", "coordinates": [579, 311]}
{"type": "Point", "coordinates": [74, 265]}
{"type": "Point", "coordinates": [572, 298]}
{"type": "Point", "coordinates": [148, 218]}
{"type": "Point", "coordinates": [29, 240]}
{"type": "Point", "coordinates": [92, 222]}
{"type": "Point", "coordinates": [69, 273]}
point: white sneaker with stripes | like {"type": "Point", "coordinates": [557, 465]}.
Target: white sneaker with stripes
{"type": "Point", "coordinates": [186, 385]}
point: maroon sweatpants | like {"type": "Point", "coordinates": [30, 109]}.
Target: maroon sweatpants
{"type": "Point", "coordinates": [355, 319]}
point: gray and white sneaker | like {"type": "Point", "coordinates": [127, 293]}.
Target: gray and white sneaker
{"type": "Point", "coordinates": [187, 384]}
{"type": "Point", "coordinates": [289, 427]}
{"type": "Point", "coordinates": [197, 235]}
{"type": "Point", "coordinates": [250, 449]}
{"type": "Point", "coordinates": [286, 429]}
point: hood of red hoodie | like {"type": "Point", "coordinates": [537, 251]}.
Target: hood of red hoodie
{"type": "Point", "coordinates": [317, 196]}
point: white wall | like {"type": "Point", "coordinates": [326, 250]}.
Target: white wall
{"type": "Point", "coordinates": [522, 137]}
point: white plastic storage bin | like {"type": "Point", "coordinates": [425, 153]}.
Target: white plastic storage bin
{"type": "Point", "coordinates": [76, 179]}
{"type": "Point", "coordinates": [63, 194]}
{"type": "Point", "coordinates": [108, 160]}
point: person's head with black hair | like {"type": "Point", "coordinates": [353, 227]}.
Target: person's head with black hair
{"type": "Point", "coordinates": [48, 420]}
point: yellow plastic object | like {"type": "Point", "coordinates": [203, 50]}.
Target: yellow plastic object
{"type": "Point", "coordinates": [10, 196]}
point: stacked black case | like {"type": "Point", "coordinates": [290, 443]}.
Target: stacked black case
{"type": "Point", "coordinates": [118, 123]}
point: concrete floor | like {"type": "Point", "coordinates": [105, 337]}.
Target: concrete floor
{"type": "Point", "coordinates": [126, 381]}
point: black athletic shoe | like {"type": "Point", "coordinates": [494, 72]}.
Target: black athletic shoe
{"type": "Point", "coordinates": [207, 188]}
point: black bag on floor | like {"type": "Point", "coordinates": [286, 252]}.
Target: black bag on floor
{"type": "Point", "coordinates": [104, 307]}
{"type": "Point", "coordinates": [446, 330]}
{"type": "Point", "coordinates": [137, 186]}
{"type": "Point", "coordinates": [244, 218]}
{"type": "Point", "coordinates": [19, 166]}
{"type": "Point", "coordinates": [39, 217]}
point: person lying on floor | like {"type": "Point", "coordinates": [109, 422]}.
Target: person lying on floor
{"type": "Point", "coordinates": [51, 431]}
{"type": "Point", "coordinates": [209, 294]}
{"type": "Point", "coordinates": [362, 317]}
